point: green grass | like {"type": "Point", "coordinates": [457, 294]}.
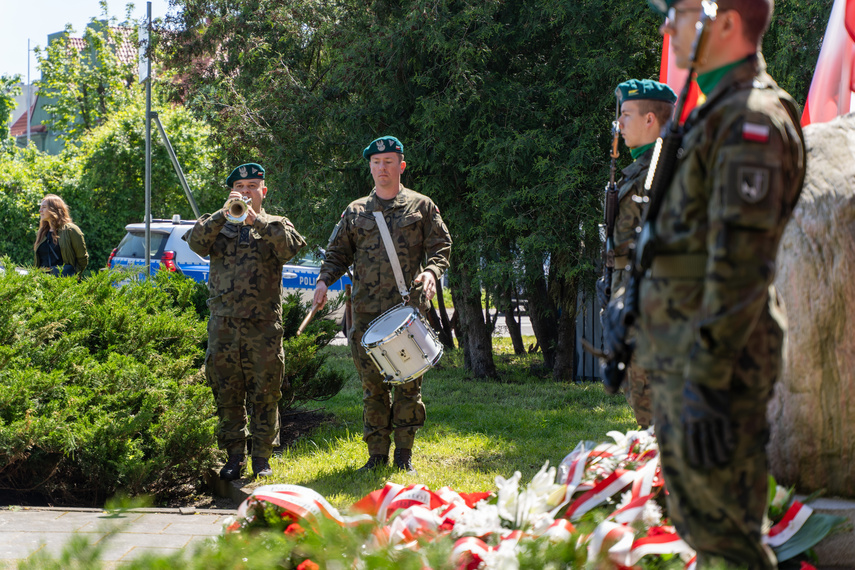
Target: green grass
{"type": "Point", "coordinates": [475, 429]}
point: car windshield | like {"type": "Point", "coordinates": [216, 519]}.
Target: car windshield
{"type": "Point", "coordinates": [133, 244]}
{"type": "Point", "coordinates": [306, 260]}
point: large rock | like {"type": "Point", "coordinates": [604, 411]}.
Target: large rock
{"type": "Point", "coordinates": [813, 410]}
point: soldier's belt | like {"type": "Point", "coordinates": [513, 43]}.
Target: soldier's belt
{"type": "Point", "coordinates": [686, 266]}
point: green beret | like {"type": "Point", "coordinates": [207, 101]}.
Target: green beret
{"type": "Point", "coordinates": [383, 144]}
{"type": "Point", "coordinates": [637, 89]}
{"type": "Point", "coordinates": [248, 171]}
{"type": "Point", "coordinates": [661, 6]}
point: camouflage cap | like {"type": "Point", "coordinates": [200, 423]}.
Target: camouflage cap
{"type": "Point", "coordinates": [637, 89]}
{"type": "Point", "coordinates": [248, 171]}
{"type": "Point", "coordinates": [661, 6]}
{"type": "Point", "coordinates": [383, 144]}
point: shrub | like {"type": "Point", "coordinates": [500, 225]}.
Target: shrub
{"type": "Point", "coordinates": [100, 389]}
{"type": "Point", "coordinates": [306, 377]}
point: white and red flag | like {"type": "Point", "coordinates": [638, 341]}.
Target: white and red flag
{"type": "Point", "coordinates": [831, 89]}
{"type": "Point", "coordinates": [675, 78]}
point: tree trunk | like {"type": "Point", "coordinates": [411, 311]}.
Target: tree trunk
{"type": "Point", "coordinates": [477, 340]}
{"type": "Point", "coordinates": [541, 311]}
{"type": "Point", "coordinates": [510, 307]}
{"type": "Point", "coordinates": [459, 331]}
{"type": "Point", "coordinates": [566, 350]}
{"type": "Point", "coordinates": [440, 322]}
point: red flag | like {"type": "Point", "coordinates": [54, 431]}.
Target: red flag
{"type": "Point", "coordinates": [675, 78]}
{"type": "Point", "coordinates": [831, 89]}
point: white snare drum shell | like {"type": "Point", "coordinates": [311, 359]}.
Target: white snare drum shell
{"type": "Point", "coordinates": [401, 345]}
{"type": "Point", "coordinates": [388, 325]}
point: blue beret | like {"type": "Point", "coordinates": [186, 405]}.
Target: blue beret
{"type": "Point", "coordinates": [383, 144]}
{"type": "Point", "coordinates": [638, 89]}
{"type": "Point", "coordinates": [248, 171]}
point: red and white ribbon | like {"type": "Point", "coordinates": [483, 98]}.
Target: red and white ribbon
{"type": "Point", "coordinates": [794, 519]}
{"type": "Point", "coordinates": [600, 493]}
{"type": "Point", "coordinates": [469, 552]}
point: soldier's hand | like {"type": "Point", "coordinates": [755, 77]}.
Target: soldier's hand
{"type": "Point", "coordinates": [614, 331]}
{"type": "Point", "coordinates": [320, 298]}
{"type": "Point", "coordinates": [706, 426]}
{"type": "Point", "coordinates": [250, 216]}
{"type": "Point", "coordinates": [602, 294]}
{"type": "Point", "coordinates": [232, 195]}
{"type": "Point", "coordinates": [428, 279]}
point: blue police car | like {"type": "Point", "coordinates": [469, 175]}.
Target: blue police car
{"type": "Point", "coordinates": [170, 252]}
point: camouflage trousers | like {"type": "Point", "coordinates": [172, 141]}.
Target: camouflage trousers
{"type": "Point", "coordinates": [719, 512]}
{"type": "Point", "coordinates": [383, 413]}
{"type": "Point", "coordinates": [244, 366]}
{"type": "Point", "coordinates": [638, 394]}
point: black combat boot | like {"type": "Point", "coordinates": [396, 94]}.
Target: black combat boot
{"type": "Point", "coordinates": [261, 467]}
{"type": "Point", "coordinates": [404, 460]}
{"type": "Point", "coordinates": [376, 460]}
{"type": "Point", "coordinates": [231, 470]}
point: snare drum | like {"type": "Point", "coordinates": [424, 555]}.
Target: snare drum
{"type": "Point", "coordinates": [401, 345]}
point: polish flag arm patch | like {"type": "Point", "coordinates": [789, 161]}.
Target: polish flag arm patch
{"type": "Point", "coordinates": [755, 133]}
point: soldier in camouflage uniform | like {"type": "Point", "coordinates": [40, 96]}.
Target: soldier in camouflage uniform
{"type": "Point", "coordinates": [423, 246]}
{"type": "Point", "coordinates": [645, 107]}
{"type": "Point", "coordinates": [711, 325]}
{"type": "Point", "coordinates": [244, 363]}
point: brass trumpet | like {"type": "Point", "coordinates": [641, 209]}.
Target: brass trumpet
{"type": "Point", "coordinates": [236, 209]}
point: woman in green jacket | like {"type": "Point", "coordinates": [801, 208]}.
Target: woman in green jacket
{"type": "Point", "coordinates": [59, 245]}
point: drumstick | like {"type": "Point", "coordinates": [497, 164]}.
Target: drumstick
{"type": "Point", "coordinates": [308, 318]}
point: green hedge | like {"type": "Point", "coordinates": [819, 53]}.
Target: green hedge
{"type": "Point", "coordinates": [100, 387]}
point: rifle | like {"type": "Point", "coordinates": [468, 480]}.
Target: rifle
{"type": "Point", "coordinates": [624, 315]}
{"type": "Point", "coordinates": [610, 209]}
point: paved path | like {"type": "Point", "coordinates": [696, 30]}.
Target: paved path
{"type": "Point", "coordinates": [26, 531]}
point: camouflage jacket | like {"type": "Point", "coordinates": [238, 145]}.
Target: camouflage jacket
{"type": "Point", "coordinates": [736, 185]}
{"type": "Point", "coordinates": [245, 279]}
{"type": "Point", "coordinates": [629, 214]}
{"type": "Point", "coordinates": [420, 236]}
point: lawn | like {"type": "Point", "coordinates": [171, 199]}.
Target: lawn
{"type": "Point", "coordinates": [475, 430]}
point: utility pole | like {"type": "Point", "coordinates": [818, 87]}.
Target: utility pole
{"type": "Point", "coordinates": [29, 91]}
{"type": "Point", "coordinates": [147, 47]}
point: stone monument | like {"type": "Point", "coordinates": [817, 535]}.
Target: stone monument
{"type": "Point", "coordinates": [812, 413]}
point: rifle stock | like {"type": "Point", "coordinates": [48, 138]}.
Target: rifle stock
{"type": "Point", "coordinates": [610, 210]}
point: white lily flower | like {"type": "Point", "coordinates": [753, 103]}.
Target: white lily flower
{"type": "Point", "coordinates": [652, 514]}
{"type": "Point", "coordinates": [781, 495]}
{"type": "Point", "coordinates": [482, 520]}
{"type": "Point", "coordinates": [504, 557]}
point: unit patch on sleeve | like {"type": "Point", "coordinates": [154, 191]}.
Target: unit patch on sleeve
{"type": "Point", "coordinates": [753, 183]}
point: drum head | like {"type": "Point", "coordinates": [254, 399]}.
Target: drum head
{"type": "Point", "coordinates": [387, 323]}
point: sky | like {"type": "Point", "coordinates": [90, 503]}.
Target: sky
{"type": "Point", "coordinates": [35, 19]}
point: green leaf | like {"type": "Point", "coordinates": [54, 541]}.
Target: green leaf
{"type": "Point", "coordinates": [814, 530]}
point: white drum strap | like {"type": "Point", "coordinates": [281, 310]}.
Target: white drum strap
{"type": "Point", "coordinates": [393, 255]}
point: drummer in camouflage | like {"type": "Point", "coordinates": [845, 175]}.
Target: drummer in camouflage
{"type": "Point", "coordinates": [423, 245]}
{"type": "Point", "coordinates": [244, 363]}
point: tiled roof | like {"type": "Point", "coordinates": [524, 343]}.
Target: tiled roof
{"type": "Point", "coordinates": [127, 51]}
{"type": "Point", "coordinates": [19, 128]}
